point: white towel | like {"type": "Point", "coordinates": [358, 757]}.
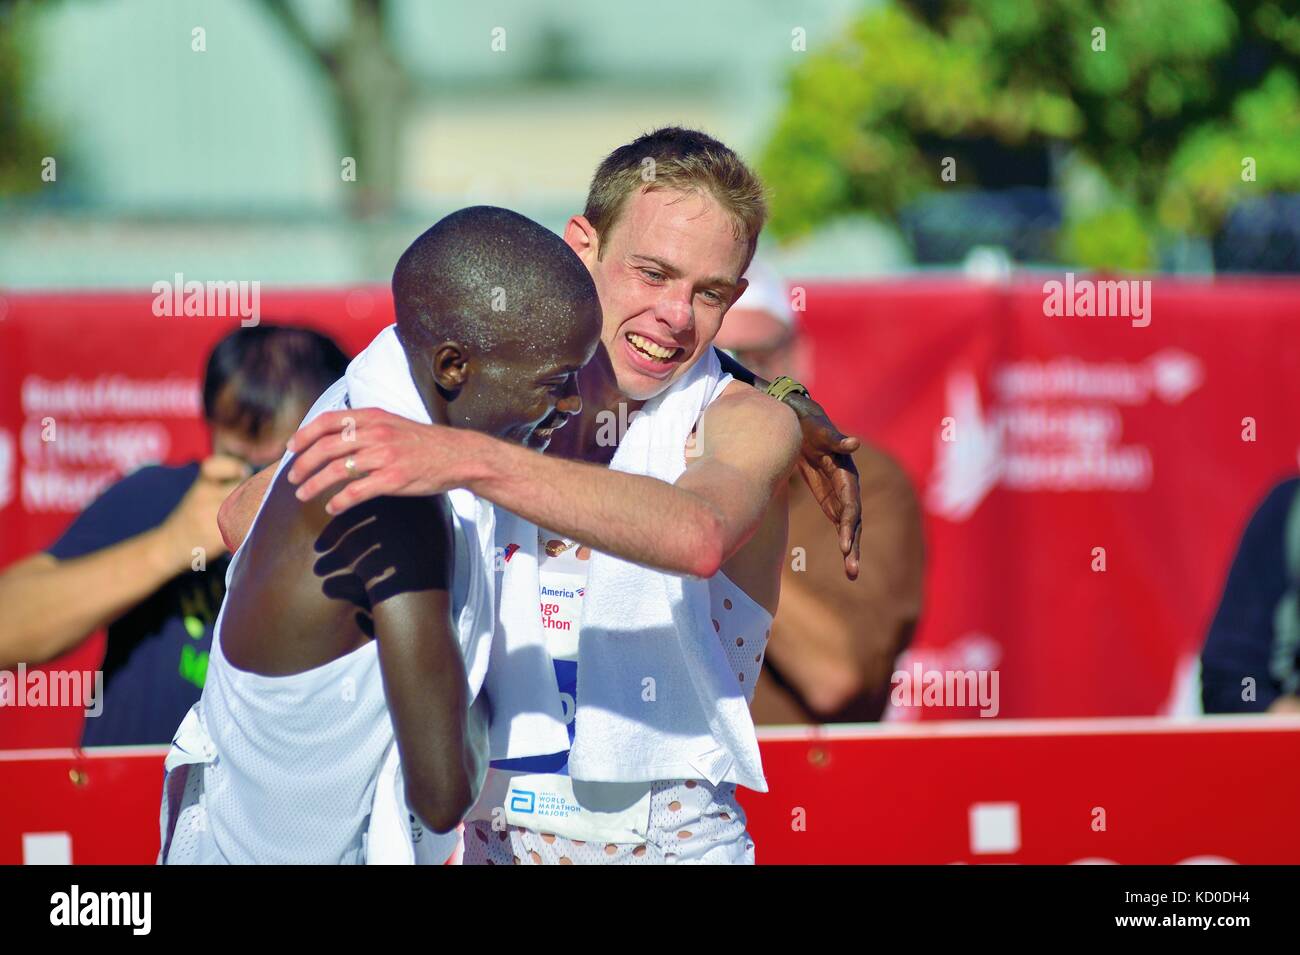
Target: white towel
{"type": "Point", "coordinates": [380, 377]}
{"type": "Point", "coordinates": [527, 715]}
{"type": "Point", "coordinates": [656, 697]}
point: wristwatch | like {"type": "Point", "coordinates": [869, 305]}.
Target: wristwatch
{"type": "Point", "coordinates": [784, 387]}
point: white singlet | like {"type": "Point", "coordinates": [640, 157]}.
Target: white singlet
{"type": "Point", "coordinates": [283, 769]}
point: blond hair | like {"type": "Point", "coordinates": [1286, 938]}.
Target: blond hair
{"type": "Point", "coordinates": [681, 159]}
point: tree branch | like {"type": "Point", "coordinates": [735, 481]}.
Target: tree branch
{"type": "Point", "coordinates": [298, 33]}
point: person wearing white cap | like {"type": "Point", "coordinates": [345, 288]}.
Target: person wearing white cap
{"type": "Point", "coordinates": [834, 641]}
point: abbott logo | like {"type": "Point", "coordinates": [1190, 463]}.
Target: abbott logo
{"type": "Point", "coordinates": [103, 908]}
{"type": "Point", "coordinates": [523, 800]}
{"type": "Point", "coordinates": [6, 467]}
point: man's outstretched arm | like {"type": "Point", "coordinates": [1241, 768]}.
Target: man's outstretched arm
{"type": "Point", "coordinates": [53, 603]}
{"type": "Point", "coordinates": [691, 527]}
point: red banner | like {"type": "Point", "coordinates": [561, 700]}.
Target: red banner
{"type": "Point", "coordinates": [1151, 792]}
{"type": "Point", "coordinates": [1085, 479]}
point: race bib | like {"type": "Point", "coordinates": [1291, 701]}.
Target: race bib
{"type": "Point", "coordinates": [561, 606]}
{"type": "Point", "coordinates": [617, 813]}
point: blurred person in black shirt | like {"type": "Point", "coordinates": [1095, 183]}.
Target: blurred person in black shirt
{"type": "Point", "coordinates": [128, 561]}
{"type": "Point", "coordinates": [1251, 659]}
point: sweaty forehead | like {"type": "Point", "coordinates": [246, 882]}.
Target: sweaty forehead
{"type": "Point", "coordinates": [560, 332]}
{"type": "Point", "coordinates": [575, 340]}
{"type": "Point", "coordinates": [689, 228]}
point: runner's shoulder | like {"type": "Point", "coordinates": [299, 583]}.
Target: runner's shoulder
{"type": "Point", "coordinates": [759, 410]}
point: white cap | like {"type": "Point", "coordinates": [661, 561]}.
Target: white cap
{"type": "Point", "coordinates": [767, 292]}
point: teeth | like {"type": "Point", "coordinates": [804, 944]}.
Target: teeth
{"type": "Point", "coordinates": [650, 348]}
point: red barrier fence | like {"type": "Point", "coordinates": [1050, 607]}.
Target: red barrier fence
{"type": "Point", "coordinates": [1220, 789]}
{"type": "Point", "coordinates": [1045, 448]}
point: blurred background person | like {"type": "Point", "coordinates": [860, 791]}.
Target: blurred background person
{"type": "Point", "coordinates": [834, 642]}
{"type": "Point", "coordinates": [1251, 659]}
{"type": "Point", "coordinates": [146, 560]}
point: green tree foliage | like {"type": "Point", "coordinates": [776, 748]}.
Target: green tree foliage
{"type": "Point", "coordinates": [24, 140]}
{"type": "Point", "coordinates": [1161, 108]}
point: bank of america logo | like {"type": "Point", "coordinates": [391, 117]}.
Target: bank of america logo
{"type": "Point", "coordinates": [1175, 374]}
{"type": "Point", "coordinates": [965, 471]}
{"type": "Point", "coordinates": [510, 551]}
{"type": "Point", "coordinates": [582, 591]}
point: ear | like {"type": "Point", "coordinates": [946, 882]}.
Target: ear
{"type": "Point", "coordinates": [450, 366]}
{"type": "Point", "coordinates": [581, 236]}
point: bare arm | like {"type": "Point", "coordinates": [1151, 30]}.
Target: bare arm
{"type": "Point", "coordinates": [748, 443]}
{"type": "Point", "coordinates": [836, 641]}
{"type": "Point", "coordinates": [690, 527]}
{"type": "Point", "coordinates": [236, 515]}
{"type": "Point", "coordinates": [402, 555]}
{"type": "Point", "coordinates": [51, 605]}
{"type": "Point", "coordinates": [636, 517]}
